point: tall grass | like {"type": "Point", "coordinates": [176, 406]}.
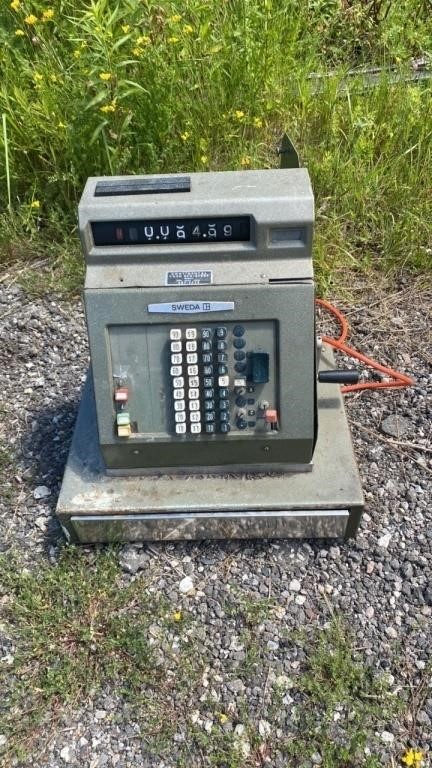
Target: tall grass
{"type": "Point", "coordinates": [134, 86]}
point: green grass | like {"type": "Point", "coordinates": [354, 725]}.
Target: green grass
{"type": "Point", "coordinates": [90, 88]}
{"type": "Point", "coordinates": [77, 629]}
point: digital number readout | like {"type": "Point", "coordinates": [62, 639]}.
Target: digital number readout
{"type": "Point", "coordinates": [168, 231]}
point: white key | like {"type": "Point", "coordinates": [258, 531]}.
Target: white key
{"type": "Point", "coordinates": [180, 417]}
{"type": "Point", "coordinates": [176, 359]}
{"type": "Point", "coordinates": [181, 429]}
{"type": "Point", "coordinates": [223, 381]}
{"type": "Point", "coordinates": [178, 394]}
{"type": "Point", "coordinates": [176, 370]}
{"type": "Point", "coordinates": [191, 333]}
{"type": "Point", "coordinates": [193, 394]}
{"type": "Point", "coordinates": [176, 346]}
{"type": "Point", "coordinates": [192, 370]}
{"type": "Point", "coordinates": [194, 381]}
{"type": "Point", "coordinates": [175, 334]}
{"type": "Point", "coordinates": [192, 358]}
{"type": "Point", "coordinates": [191, 346]}
{"type": "Point", "coordinates": [195, 416]}
{"type": "Point", "coordinates": [194, 405]}
{"type": "Point", "coordinates": [239, 382]}
{"type": "Point", "coordinates": [195, 429]}
{"type": "Point", "coordinates": [178, 382]}
{"type": "Point", "coordinates": [179, 405]}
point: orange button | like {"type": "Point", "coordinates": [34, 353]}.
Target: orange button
{"type": "Point", "coordinates": [271, 416]}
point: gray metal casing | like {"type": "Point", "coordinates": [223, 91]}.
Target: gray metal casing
{"type": "Point", "coordinates": [269, 278]}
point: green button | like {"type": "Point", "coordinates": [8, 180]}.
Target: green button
{"type": "Point", "coordinates": [123, 419]}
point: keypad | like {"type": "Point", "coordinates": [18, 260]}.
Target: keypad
{"type": "Point", "coordinates": [208, 373]}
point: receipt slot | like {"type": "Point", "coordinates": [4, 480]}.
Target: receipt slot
{"type": "Point", "coordinates": [200, 416]}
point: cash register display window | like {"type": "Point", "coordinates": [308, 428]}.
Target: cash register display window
{"type": "Point", "coordinates": [225, 229]}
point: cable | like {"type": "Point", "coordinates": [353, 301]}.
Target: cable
{"type": "Point", "coordinates": [398, 380]}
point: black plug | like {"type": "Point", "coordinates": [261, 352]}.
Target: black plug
{"type": "Point", "coordinates": [338, 377]}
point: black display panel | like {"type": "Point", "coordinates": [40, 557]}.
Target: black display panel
{"type": "Point", "coordinates": [220, 229]}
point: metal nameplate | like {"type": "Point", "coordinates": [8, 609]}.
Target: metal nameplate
{"type": "Point", "coordinates": [189, 277]}
{"type": "Point", "coordinates": [191, 307]}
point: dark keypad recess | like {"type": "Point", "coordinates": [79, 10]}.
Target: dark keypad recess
{"type": "Point", "coordinates": [239, 343]}
{"type": "Point", "coordinates": [221, 332]}
{"type": "Point", "coordinates": [240, 367]}
{"type": "Point", "coordinates": [221, 346]}
{"type": "Point", "coordinates": [206, 358]}
{"type": "Point", "coordinates": [225, 427]}
{"type": "Point", "coordinates": [251, 401]}
{"type": "Point", "coordinates": [209, 405]}
{"type": "Point", "coordinates": [222, 370]}
{"type": "Point", "coordinates": [224, 416]}
{"type": "Point", "coordinates": [209, 416]}
{"type": "Point", "coordinates": [224, 405]}
{"type": "Point", "coordinates": [209, 394]}
{"type": "Point", "coordinates": [238, 330]}
{"type": "Point", "coordinates": [222, 357]}
{"type": "Point", "coordinates": [224, 393]}
{"type": "Point", "coordinates": [210, 428]}
{"type": "Point", "coordinates": [239, 355]}
{"type": "Point", "coordinates": [241, 401]}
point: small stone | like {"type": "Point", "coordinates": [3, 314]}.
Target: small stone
{"type": "Point", "coordinates": [3, 740]}
{"type": "Point", "coordinates": [295, 586]}
{"type": "Point", "coordinates": [100, 714]}
{"type": "Point", "coordinates": [41, 492]}
{"type": "Point", "coordinates": [370, 567]}
{"type": "Point", "coordinates": [369, 612]}
{"type": "Point", "coordinates": [384, 540]}
{"type": "Point", "coordinates": [395, 426]}
{"type": "Point", "coordinates": [41, 523]}
{"type": "Point", "coordinates": [272, 645]}
{"type": "Point", "coordinates": [264, 728]}
{"type": "Point", "coordinates": [391, 632]}
{"type": "Point", "coordinates": [132, 561]}
{"type": "Point", "coordinates": [194, 716]}
{"type": "Point", "coordinates": [236, 686]}
{"type": "Point", "coordinates": [387, 737]}
{"type": "Point", "coordinates": [316, 758]}
{"type": "Point", "coordinates": [66, 754]}
{"type": "Point", "coordinates": [186, 586]}
{"type": "Point", "coordinates": [300, 599]}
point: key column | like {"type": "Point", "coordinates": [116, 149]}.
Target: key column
{"type": "Point", "coordinates": [176, 371]}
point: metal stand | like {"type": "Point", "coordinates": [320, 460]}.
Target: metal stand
{"type": "Point", "coordinates": [323, 503]}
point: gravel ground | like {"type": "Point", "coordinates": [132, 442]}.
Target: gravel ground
{"type": "Point", "coordinates": [381, 582]}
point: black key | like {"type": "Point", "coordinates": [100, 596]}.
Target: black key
{"type": "Point", "coordinates": [221, 345]}
{"type": "Point", "coordinates": [206, 346]}
{"type": "Point", "coordinates": [206, 333]}
{"type": "Point", "coordinates": [251, 389]}
{"type": "Point", "coordinates": [240, 367]}
{"type": "Point", "coordinates": [224, 405]}
{"type": "Point", "coordinates": [209, 416]}
{"type": "Point", "coordinates": [221, 332]}
{"type": "Point", "coordinates": [209, 394]}
{"type": "Point", "coordinates": [250, 401]}
{"type": "Point", "coordinates": [241, 424]}
{"type": "Point", "coordinates": [241, 401]}
{"type": "Point", "coordinates": [250, 412]}
{"type": "Point", "coordinates": [208, 370]}
{"type": "Point", "coordinates": [210, 428]}
{"type": "Point", "coordinates": [207, 357]}
{"type": "Point", "coordinates": [239, 355]}
{"type": "Point", "coordinates": [209, 405]}
{"type": "Point", "coordinates": [225, 427]}
{"type": "Point", "coordinates": [222, 370]}
{"type": "Point", "coordinates": [221, 358]}
{"type": "Point", "coordinates": [251, 423]}
{"type": "Point", "coordinates": [224, 416]}
{"type": "Point", "coordinates": [238, 330]}
{"type": "Point", "coordinates": [208, 382]}
{"type": "Point", "coordinates": [239, 343]}
{"type": "Point", "coordinates": [223, 393]}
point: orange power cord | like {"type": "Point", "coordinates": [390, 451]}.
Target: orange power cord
{"type": "Point", "coordinates": [396, 379]}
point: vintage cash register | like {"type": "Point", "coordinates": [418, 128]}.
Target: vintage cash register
{"type": "Point", "coordinates": [202, 416]}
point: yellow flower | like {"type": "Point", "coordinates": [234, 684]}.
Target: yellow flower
{"type": "Point", "coordinates": [31, 20]}
{"type": "Point", "coordinates": [15, 5]}
{"type": "Point", "coordinates": [239, 114]}
{"type": "Point", "coordinates": [173, 40]}
{"type": "Point", "coordinates": [19, 33]}
{"type": "Point", "coordinates": [54, 78]}
{"type": "Point", "coordinates": [105, 76]}
{"type": "Point", "coordinates": [109, 107]}
{"type": "Point", "coordinates": [126, 28]}
{"type": "Point", "coordinates": [35, 204]}
{"type": "Point", "coordinates": [413, 757]}
{"type": "Point", "coordinates": [176, 18]}
{"type": "Point", "coordinates": [143, 40]}
{"type": "Point", "coordinates": [204, 159]}
{"type": "Point", "coordinates": [245, 161]}
{"type": "Point", "coordinates": [61, 125]}
{"type": "Point", "coordinates": [77, 53]}
{"type": "Point", "coordinates": [184, 136]}
{"type": "Point", "coordinates": [37, 77]}
{"type": "Point", "coordinates": [48, 14]}
{"type": "Point", "coordinates": [188, 29]}
{"type": "Point", "coordinates": [223, 718]}
{"type": "Point", "coordinates": [257, 122]}
{"type": "Point", "coordinates": [137, 51]}
{"type": "Point", "coordinates": [177, 616]}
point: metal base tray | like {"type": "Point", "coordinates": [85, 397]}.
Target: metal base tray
{"type": "Point", "coordinates": [323, 503]}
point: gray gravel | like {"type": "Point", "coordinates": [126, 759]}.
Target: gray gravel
{"type": "Point", "coordinates": [381, 582]}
